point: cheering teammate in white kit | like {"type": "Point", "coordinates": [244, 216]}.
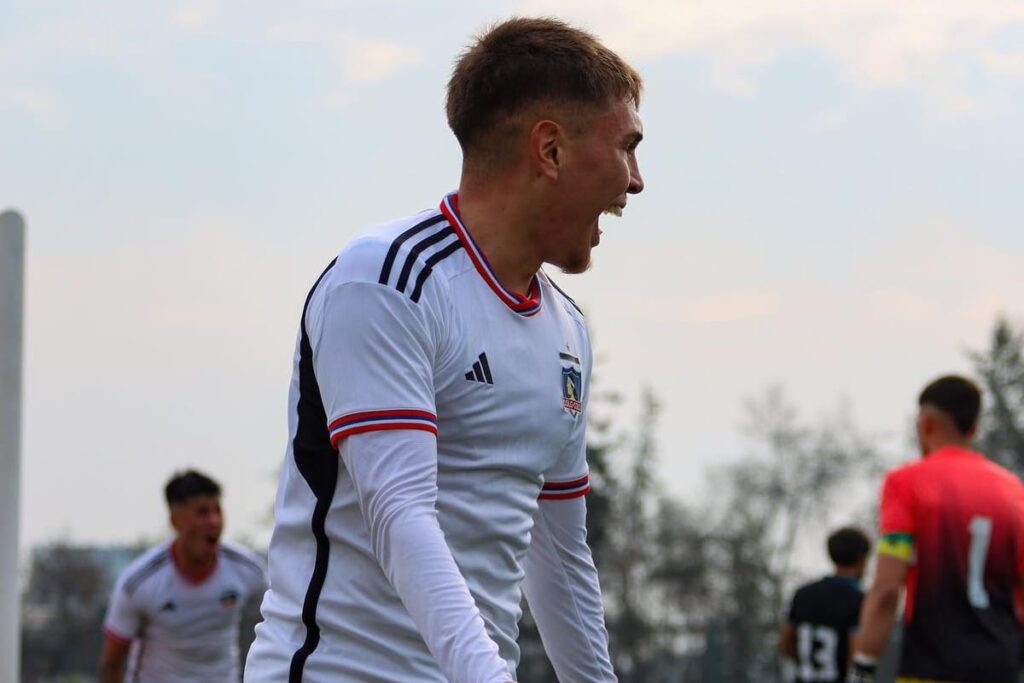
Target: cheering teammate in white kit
{"type": "Point", "coordinates": [437, 465]}
{"type": "Point", "coordinates": [175, 610]}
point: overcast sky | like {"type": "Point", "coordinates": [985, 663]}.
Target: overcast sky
{"type": "Point", "coordinates": [833, 204]}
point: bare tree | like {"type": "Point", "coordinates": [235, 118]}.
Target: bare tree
{"type": "Point", "coordinates": [797, 480]}
{"type": "Point", "coordinates": [1001, 368]}
{"type": "Point", "coordinates": [63, 612]}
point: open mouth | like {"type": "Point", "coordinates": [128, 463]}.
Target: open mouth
{"type": "Point", "coordinates": [212, 538]}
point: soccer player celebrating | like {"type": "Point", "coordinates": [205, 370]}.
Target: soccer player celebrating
{"type": "Point", "coordinates": [824, 613]}
{"type": "Point", "coordinates": [952, 532]}
{"type": "Point", "coordinates": [181, 601]}
{"type": "Point", "coordinates": [436, 466]}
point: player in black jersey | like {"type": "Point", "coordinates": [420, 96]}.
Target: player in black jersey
{"type": "Point", "coordinates": [824, 613]}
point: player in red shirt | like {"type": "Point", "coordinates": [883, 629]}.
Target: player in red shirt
{"type": "Point", "coordinates": [952, 533]}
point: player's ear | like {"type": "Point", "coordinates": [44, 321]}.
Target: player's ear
{"type": "Point", "coordinates": [546, 146]}
{"type": "Point", "coordinates": [927, 422]}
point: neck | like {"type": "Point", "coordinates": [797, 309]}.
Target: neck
{"type": "Point", "coordinates": [191, 565]}
{"type": "Point", "coordinates": [944, 441]}
{"type": "Point", "coordinates": [848, 573]}
{"type": "Point", "coordinates": [501, 224]}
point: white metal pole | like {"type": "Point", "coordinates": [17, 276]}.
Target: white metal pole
{"type": "Point", "coordinates": [12, 286]}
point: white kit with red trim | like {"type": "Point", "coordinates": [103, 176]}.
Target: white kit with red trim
{"type": "Point", "coordinates": [183, 628]}
{"type": "Point", "coordinates": [408, 330]}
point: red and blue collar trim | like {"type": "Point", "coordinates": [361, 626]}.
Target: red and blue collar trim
{"type": "Point", "coordinates": [523, 305]}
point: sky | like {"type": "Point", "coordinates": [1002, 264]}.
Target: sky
{"type": "Point", "coordinates": [832, 205]}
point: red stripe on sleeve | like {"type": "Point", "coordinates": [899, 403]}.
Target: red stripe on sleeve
{"type": "Point", "coordinates": [381, 413]}
{"type": "Point", "coordinates": [371, 427]}
{"type": "Point", "coordinates": [567, 484]}
{"type": "Point", "coordinates": [564, 496]}
{"type": "Point", "coordinates": [115, 636]}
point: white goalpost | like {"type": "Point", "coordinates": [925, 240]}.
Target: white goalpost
{"type": "Point", "coordinates": [12, 287]}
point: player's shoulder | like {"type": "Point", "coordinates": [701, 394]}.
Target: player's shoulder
{"type": "Point", "coordinates": [902, 483]}
{"type": "Point", "coordinates": [842, 588]}
{"type": "Point", "coordinates": [144, 568]}
{"type": "Point", "coordinates": [831, 585]}
{"type": "Point", "coordinates": [402, 254]}
{"type": "Point", "coordinates": [1002, 474]}
{"type": "Point", "coordinates": [908, 471]}
{"type": "Point", "coordinates": [805, 599]}
{"type": "Point", "coordinates": [241, 558]}
{"type": "Point", "coordinates": [810, 588]}
{"type": "Point", "coordinates": [998, 481]}
{"type": "Point", "coordinates": [826, 598]}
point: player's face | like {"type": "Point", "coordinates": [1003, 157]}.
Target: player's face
{"type": "Point", "coordinates": [199, 523]}
{"type": "Point", "coordinates": [600, 171]}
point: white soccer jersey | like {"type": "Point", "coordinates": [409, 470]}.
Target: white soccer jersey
{"type": "Point", "coordinates": [183, 629]}
{"type": "Point", "coordinates": [408, 336]}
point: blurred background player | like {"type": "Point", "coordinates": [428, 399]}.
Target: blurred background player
{"type": "Point", "coordinates": [952, 532]}
{"type": "Point", "coordinates": [176, 608]}
{"type": "Point", "coordinates": [823, 616]}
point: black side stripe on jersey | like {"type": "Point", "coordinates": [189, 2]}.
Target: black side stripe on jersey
{"type": "Point", "coordinates": [389, 260]}
{"type": "Point", "coordinates": [428, 267]}
{"type": "Point", "coordinates": [317, 462]}
{"type": "Point", "coordinates": [133, 582]}
{"type": "Point", "coordinates": [567, 297]}
{"type": "Point", "coordinates": [239, 558]}
{"type": "Point", "coordinates": [139, 653]}
{"type": "Point", "coordinates": [415, 252]}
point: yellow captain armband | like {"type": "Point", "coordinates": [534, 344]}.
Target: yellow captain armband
{"type": "Point", "coordinates": [899, 545]}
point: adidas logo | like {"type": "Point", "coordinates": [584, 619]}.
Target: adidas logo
{"type": "Point", "coordinates": [481, 371]}
{"type": "Point", "coordinates": [168, 606]}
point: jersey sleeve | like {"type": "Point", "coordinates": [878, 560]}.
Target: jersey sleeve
{"type": "Point", "coordinates": [373, 355]}
{"type": "Point", "coordinates": [897, 527]}
{"type": "Point", "coordinates": [124, 617]}
{"type": "Point", "coordinates": [570, 477]}
{"type": "Point", "coordinates": [562, 589]}
{"type": "Point", "coordinates": [256, 575]}
{"type": "Point", "coordinates": [395, 478]}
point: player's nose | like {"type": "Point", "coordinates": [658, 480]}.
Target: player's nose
{"type": "Point", "coordinates": [636, 182]}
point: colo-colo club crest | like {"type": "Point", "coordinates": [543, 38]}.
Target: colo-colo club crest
{"type": "Point", "coordinates": [572, 391]}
